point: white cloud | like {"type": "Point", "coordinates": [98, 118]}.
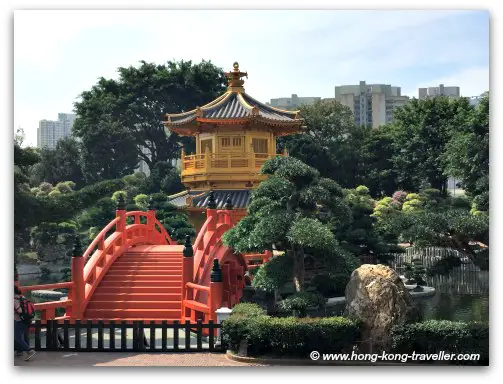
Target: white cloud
{"type": "Point", "coordinates": [472, 81]}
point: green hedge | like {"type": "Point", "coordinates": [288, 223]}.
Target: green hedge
{"type": "Point", "coordinates": [290, 336]}
{"type": "Point", "coordinates": [433, 336]}
{"type": "Point", "coordinates": [248, 309]}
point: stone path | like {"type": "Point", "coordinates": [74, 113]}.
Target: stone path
{"type": "Point", "coordinates": [114, 359]}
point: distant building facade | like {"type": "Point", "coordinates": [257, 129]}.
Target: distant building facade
{"type": "Point", "coordinates": [371, 104]}
{"type": "Point", "coordinates": [50, 132]}
{"type": "Point", "coordinates": [475, 100]}
{"type": "Point", "coordinates": [293, 102]}
{"type": "Point", "coordinates": [441, 90]}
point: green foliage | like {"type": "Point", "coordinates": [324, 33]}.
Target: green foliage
{"type": "Point", "coordinates": [385, 208]}
{"type": "Point", "coordinates": [311, 233]}
{"type": "Point", "coordinates": [420, 132]}
{"type": "Point", "coordinates": [248, 310]}
{"type": "Point", "coordinates": [45, 275]}
{"type": "Point", "coordinates": [362, 190]}
{"type": "Point", "coordinates": [45, 187]}
{"type": "Point", "coordinates": [375, 167]}
{"type": "Point", "coordinates": [97, 216]}
{"type": "Point", "coordinates": [66, 274]}
{"type": "Point", "coordinates": [434, 336]}
{"type": "Point", "coordinates": [141, 201]}
{"type": "Point", "coordinates": [59, 164]}
{"type": "Point", "coordinates": [293, 210]}
{"type": "Point", "coordinates": [413, 203]}
{"type": "Point", "coordinates": [274, 274]}
{"type": "Point", "coordinates": [54, 193]}
{"type": "Point", "coordinates": [119, 120]}
{"type": "Point", "coordinates": [298, 303]}
{"type": "Point", "coordinates": [466, 155]}
{"type": "Point", "coordinates": [65, 186]}
{"type": "Point", "coordinates": [415, 272]}
{"type": "Point", "coordinates": [290, 336]}
{"type": "Point", "coordinates": [116, 194]}
{"type": "Point", "coordinates": [330, 285]}
{"type": "Point", "coordinates": [53, 241]}
{"type": "Point", "coordinates": [329, 142]}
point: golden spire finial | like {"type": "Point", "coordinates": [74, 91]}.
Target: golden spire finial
{"type": "Point", "coordinates": [234, 81]}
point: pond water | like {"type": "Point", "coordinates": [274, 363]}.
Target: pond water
{"type": "Point", "coordinates": [461, 296]}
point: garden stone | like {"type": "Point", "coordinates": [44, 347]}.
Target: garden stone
{"type": "Point", "coordinates": [47, 294]}
{"type": "Point", "coordinates": [377, 297]}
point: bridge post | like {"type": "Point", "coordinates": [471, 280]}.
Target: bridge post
{"type": "Point", "coordinates": [120, 212]}
{"type": "Point", "coordinates": [211, 211]}
{"type": "Point", "coordinates": [228, 211]}
{"type": "Point", "coordinates": [78, 288]}
{"type": "Point", "coordinates": [216, 289]}
{"type": "Point", "coordinates": [151, 219]}
{"type": "Point", "coordinates": [187, 274]}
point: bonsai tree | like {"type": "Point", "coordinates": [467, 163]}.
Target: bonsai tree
{"type": "Point", "coordinates": [294, 210]}
{"type": "Point", "coordinates": [415, 272]}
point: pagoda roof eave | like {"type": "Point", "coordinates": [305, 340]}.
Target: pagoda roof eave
{"type": "Point", "coordinates": [200, 125]}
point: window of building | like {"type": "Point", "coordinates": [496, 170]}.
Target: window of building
{"type": "Point", "coordinates": [259, 145]}
{"type": "Point", "coordinates": [225, 142]}
{"type": "Point", "coordinates": [236, 141]}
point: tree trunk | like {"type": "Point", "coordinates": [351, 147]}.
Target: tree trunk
{"type": "Point", "coordinates": [298, 269]}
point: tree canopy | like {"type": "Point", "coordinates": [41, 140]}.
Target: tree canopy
{"type": "Point", "coordinates": [120, 121]}
{"type": "Point", "coordinates": [294, 210]}
{"type": "Point", "coordinates": [330, 143]}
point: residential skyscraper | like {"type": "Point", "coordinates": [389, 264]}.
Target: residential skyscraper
{"type": "Point", "coordinates": [441, 90]}
{"type": "Point", "coordinates": [371, 104]}
{"type": "Point", "coordinates": [50, 132]}
{"type": "Point", "coordinates": [293, 102]}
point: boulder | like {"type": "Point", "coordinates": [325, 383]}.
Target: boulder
{"type": "Point", "coordinates": [377, 297]}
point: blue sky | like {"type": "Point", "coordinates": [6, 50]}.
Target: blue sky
{"type": "Point", "coordinates": [59, 54]}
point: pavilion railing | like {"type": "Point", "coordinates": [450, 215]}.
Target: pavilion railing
{"type": "Point", "coordinates": [221, 161]}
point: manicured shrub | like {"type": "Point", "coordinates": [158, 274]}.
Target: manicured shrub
{"type": "Point", "coordinates": [330, 285]}
{"type": "Point", "coordinates": [362, 190]}
{"type": "Point", "coordinates": [290, 336]}
{"type": "Point", "coordinates": [45, 187]}
{"type": "Point", "coordinates": [274, 274]}
{"type": "Point", "coordinates": [54, 193]}
{"type": "Point", "coordinates": [433, 336]}
{"type": "Point", "coordinates": [248, 309]}
{"type": "Point", "coordinates": [141, 201]}
{"type": "Point", "coordinates": [116, 195]}
{"type": "Point", "coordinates": [65, 186]}
{"type": "Point", "coordinates": [298, 303]}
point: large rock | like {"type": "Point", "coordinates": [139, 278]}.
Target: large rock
{"type": "Point", "coordinates": [377, 296]}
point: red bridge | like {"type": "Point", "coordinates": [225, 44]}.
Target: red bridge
{"type": "Point", "coordinates": [137, 272]}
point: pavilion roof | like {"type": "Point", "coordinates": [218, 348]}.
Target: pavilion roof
{"type": "Point", "coordinates": [234, 106]}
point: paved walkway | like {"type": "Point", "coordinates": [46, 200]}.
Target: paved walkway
{"type": "Point", "coordinates": [88, 359]}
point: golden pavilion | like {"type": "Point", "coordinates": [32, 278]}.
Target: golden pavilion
{"type": "Point", "coordinates": [235, 134]}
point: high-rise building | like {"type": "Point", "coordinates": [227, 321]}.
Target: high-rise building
{"type": "Point", "coordinates": [371, 104]}
{"type": "Point", "coordinates": [50, 132]}
{"type": "Point", "coordinates": [475, 100]}
{"type": "Point", "coordinates": [441, 90]}
{"type": "Point", "coordinates": [293, 102]}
